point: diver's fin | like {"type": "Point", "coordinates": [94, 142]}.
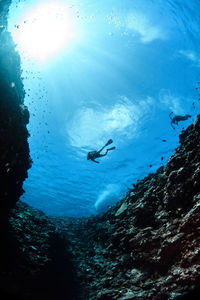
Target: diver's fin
{"type": "Point", "coordinates": [111, 148]}
{"type": "Point", "coordinates": [109, 142]}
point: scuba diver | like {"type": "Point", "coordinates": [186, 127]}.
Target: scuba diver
{"type": "Point", "coordinates": [177, 119]}
{"type": "Point", "coordinates": [95, 154]}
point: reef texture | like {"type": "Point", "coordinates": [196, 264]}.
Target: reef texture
{"type": "Point", "coordinates": [14, 116]}
{"type": "Point", "coordinates": [34, 263]}
{"type": "Point", "coordinates": [148, 245]}
{"type": "Point", "coordinates": [145, 247]}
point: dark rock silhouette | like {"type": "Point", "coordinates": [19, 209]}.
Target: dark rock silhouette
{"type": "Point", "coordinates": [14, 148]}
{"type": "Point", "coordinates": [34, 261]}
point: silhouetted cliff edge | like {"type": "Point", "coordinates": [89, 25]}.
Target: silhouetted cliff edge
{"type": "Point", "coordinates": [33, 260]}
{"type": "Point", "coordinates": [14, 148]}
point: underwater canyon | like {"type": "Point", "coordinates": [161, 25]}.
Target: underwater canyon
{"type": "Point", "coordinates": [146, 246]}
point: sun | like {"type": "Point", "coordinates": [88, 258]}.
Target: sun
{"type": "Point", "coordinates": [44, 31]}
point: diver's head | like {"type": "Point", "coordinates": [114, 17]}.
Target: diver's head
{"type": "Point", "coordinates": [88, 156]}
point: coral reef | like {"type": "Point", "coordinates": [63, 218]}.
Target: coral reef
{"type": "Point", "coordinates": [14, 148]}
{"type": "Point", "coordinates": [147, 246]}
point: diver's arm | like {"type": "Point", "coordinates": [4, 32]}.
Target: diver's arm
{"type": "Point", "coordinates": [172, 125]}
{"type": "Point", "coordinates": [101, 149]}
{"type": "Point", "coordinates": [100, 155]}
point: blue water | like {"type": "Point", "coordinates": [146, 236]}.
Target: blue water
{"type": "Point", "coordinates": [131, 64]}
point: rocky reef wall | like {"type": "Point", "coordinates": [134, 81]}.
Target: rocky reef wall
{"type": "Point", "coordinates": [147, 246]}
{"type": "Point", "coordinates": [14, 116]}
{"type": "Point", "coordinates": [34, 260]}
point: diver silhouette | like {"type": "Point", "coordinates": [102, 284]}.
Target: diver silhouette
{"type": "Point", "coordinates": [96, 154]}
{"type": "Point", "coordinates": [176, 119]}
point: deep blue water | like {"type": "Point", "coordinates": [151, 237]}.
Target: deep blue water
{"type": "Point", "coordinates": [128, 65]}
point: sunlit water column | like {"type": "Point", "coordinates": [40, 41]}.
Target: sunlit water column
{"type": "Point", "coordinates": [123, 67]}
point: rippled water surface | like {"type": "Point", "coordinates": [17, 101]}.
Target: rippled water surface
{"type": "Point", "coordinates": [125, 66]}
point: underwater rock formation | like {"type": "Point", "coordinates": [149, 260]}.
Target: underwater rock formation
{"type": "Point", "coordinates": [14, 116]}
{"type": "Point", "coordinates": [34, 262]}
{"type": "Point", "coordinates": [147, 246]}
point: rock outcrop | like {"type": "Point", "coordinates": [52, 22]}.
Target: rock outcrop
{"type": "Point", "coordinates": [147, 246]}
{"type": "Point", "coordinates": [14, 116]}
{"type": "Point", "coordinates": [34, 261]}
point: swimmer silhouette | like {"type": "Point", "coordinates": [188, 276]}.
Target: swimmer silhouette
{"type": "Point", "coordinates": [96, 154]}
{"type": "Point", "coordinates": [175, 120]}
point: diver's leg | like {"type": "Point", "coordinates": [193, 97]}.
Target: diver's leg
{"type": "Point", "coordinates": [103, 154]}
{"type": "Point", "coordinates": [100, 155]}
{"type": "Point", "coordinates": [111, 148]}
{"type": "Point", "coordinates": [101, 149]}
{"type": "Point", "coordinates": [108, 143]}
